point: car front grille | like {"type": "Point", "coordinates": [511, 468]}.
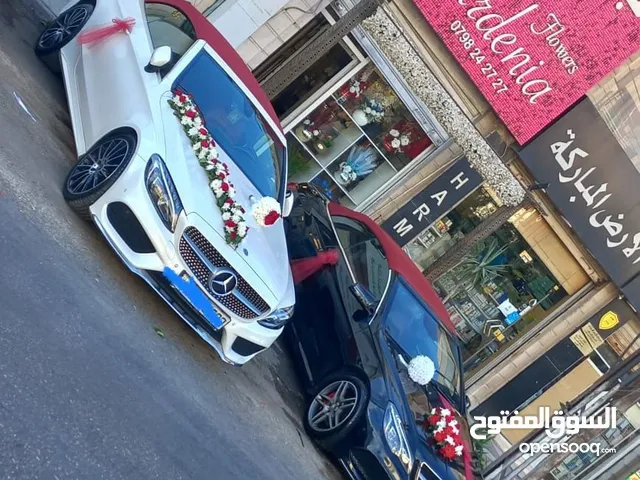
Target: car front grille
{"type": "Point", "coordinates": [202, 258]}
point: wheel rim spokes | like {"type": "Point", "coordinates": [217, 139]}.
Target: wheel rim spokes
{"type": "Point", "coordinates": [333, 406]}
{"type": "Point", "coordinates": [97, 166]}
{"type": "Point", "coordinates": [65, 27]}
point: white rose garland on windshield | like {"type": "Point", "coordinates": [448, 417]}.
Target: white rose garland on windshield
{"type": "Point", "coordinates": [204, 147]}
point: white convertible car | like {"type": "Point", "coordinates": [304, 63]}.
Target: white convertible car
{"type": "Point", "coordinates": [182, 164]}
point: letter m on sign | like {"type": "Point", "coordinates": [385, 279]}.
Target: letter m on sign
{"type": "Point", "coordinates": [403, 227]}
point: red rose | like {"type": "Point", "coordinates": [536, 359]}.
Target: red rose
{"type": "Point", "coordinates": [190, 113]}
{"type": "Point", "coordinates": [225, 187]}
{"type": "Point", "coordinates": [433, 419]}
{"type": "Point", "coordinates": [230, 224]}
{"type": "Point", "coordinates": [448, 452]}
{"type": "Point", "coordinates": [232, 235]}
{"type": "Point", "coordinates": [222, 176]}
{"type": "Point", "coordinates": [205, 143]}
{"type": "Point", "coordinates": [229, 201]}
{"type": "Point", "coordinates": [183, 98]}
{"type": "Point", "coordinates": [271, 218]}
{"type": "Point", "coordinates": [204, 131]}
{"type": "Point", "coordinates": [440, 436]}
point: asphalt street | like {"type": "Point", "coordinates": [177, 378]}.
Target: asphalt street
{"type": "Point", "coordinates": [98, 378]}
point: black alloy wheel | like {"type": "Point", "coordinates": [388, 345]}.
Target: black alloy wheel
{"type": "Point", "coordinates": [97, 170]}
{"type": "Point", "coordinates": [60, 32]}
{"type": "Point", "coordinates": [337, 407]}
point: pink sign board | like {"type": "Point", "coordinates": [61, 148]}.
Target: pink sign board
{"type": "Point", "coordinates": [531, 59]}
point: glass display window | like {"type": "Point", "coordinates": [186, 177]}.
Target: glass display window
{"type": "Point", "coordinates": [356, 140]}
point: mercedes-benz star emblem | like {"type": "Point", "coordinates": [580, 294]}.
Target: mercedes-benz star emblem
{"type": "Point", "coordinates": [223, 281]}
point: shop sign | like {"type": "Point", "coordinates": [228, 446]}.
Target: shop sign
{"type": "Point", "coordinates": [534, 59]}
{"type": "Point", "coordinates": [595, 186]}
{"type": "Point", "coordinates": [444, 193]}
{"type": "Point", "coordinates": [605, 322]}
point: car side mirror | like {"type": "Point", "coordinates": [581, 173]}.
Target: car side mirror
{"type": "Point", "coordinates": [364, 297]}
{"type": "Point", "coordinates": [288, 204]}
{"type": "Point", "coordinates": [160, 58]}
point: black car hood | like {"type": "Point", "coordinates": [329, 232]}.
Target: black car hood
{"type": "Point", "coordinates": [414, 403]}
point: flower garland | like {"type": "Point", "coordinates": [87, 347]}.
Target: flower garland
{"type": "Point", "coordinates": [204, 147]}
{"type": "Point", "coordinates": [445, 432]}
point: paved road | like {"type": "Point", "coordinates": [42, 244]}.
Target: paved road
{"type": "Point", "coordinates": [88, 389]}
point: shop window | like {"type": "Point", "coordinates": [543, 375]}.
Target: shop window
{"type": "Point", "coordinates": [497, 292]}
{"type": "Point", "coordinates": [356, 141]}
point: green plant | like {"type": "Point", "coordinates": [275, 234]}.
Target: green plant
{"type": "Point", "coordinates": [480, 447]}
{"type": "Point", "coordinates": [478, 266]}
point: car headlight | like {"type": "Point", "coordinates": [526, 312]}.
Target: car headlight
{"type": "Point", "coordinates": [163, 192]}
{"type": "Point", "coordinates": [277, 319]}
{"type": "Point", "coordinates": [395, 435]}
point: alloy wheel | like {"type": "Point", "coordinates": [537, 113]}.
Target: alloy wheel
{"type": "Point", "coordinates": [333, 406]}
{"type": "Point", "coordinates": [98, 165]}
{"type": "Point", "coordinates": [65, 27]}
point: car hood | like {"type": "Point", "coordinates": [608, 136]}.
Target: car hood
{"type": "Point", "coordinates": [263, 252]}
{"type": "Point", "coordinates": [414, 404]}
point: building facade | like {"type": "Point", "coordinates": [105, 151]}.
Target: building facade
{"type": "Point", "coordinates": [500, 146]}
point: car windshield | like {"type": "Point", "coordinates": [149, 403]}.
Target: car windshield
{"type": "Point", "coordinates": [411, 326]}
{"type": "Point", "coordinates": [235, 124]}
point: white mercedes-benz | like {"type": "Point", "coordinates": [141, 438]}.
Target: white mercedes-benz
{"type": "Point", "coordinates": [182, 164]}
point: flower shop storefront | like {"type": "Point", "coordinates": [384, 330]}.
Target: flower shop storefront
{"type": "Point", "coordinates": [359, 137]}
{"type": "Point", "coordinates": [501, 289]}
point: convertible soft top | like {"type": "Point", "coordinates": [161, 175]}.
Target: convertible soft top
{"type": "Point", "coordinates": [207, 32]}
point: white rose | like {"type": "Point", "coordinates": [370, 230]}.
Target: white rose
{"type": "Point", "coordinates": [459, 449]}
{"type": "Point", "coordinates": [395, 143]}
{"type": "Point", "coordinates": [316, 133]}
{"type": "Point", "coordinates": [394, 133]}
{"type": "Point", "coordinates": [231, 192]}
{"type": "Point", "coordinates": [242, 229]}
{"type": "Point", "coordinates": [186, 121]}
{"type": "Point", "coordinates": [204, 154]}
{"type": "Point", "coordinates": [193, 131]}
{"type": "Point", "coordinates": [226, 216]}
{"type": "Point", "coordinates": [367, 110]}
{"type": "Point", "coordinates": [213, 154]}
{"type": "Point", "coordinates": [236, 218]}
{"type": "Point", "coordinates": [216, 184]}
{"type": "Point", "coordinates": [445, 412]}
{"type": "Point", "coordinates": [450, 440]}
{"type": "Point", "coordinates": [352, 89]}
{"type": "Point", "coordinates": [404, 140]}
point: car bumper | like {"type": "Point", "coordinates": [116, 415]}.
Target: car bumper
{"type": "Point", "coordinates": [238, 341]}
{"type": "Point", "coordinates": [373, 459]}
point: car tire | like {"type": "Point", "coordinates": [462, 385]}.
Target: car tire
{"type": "Point", "coordinates": [347, 420]}
{"type": "Point", "coordinates": [60, 32]}
{"type": "Point", "coordinates": [97, 170]}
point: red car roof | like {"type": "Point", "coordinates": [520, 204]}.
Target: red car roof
{"type": "Point", "coordinates": [400, 263]}
{"type": "Point", "coordinates": [207, 32]}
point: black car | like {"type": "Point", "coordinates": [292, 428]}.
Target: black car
{"type": "Point", "coordinates": [357, 324]}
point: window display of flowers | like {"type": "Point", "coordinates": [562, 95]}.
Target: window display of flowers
{"type": "Point", "coordinates": [399, 139]}
{"type": "Point", "coordinates": [308, 131]}
{"type": "Point", "coordinates": [374, 110]}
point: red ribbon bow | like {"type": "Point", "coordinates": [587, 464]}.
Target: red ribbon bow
{"type": "Point", "coordinates": [95, 35]}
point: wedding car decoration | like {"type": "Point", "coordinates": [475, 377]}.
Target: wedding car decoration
{"type": "Point", "coordinates": [204, 147]}
{"type": "Point", "coordinates": [266, 212]}
{"type": "Point", "coordinates": [421, 370]}
{"type": "Point", "coordinates": [444, 431]}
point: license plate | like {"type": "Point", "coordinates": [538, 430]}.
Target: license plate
{"type": "Point", "coordinates": [194, 296]}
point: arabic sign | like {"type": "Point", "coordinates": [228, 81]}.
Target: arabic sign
{"type": "Point", "coordinates": [444, 193]}
{"type": "Point", "coordinates": [555, 423]}
{"type": "Point", "coordinates": [605, 322]}
{"type": "Point", "coordinates": [594, 185]}
{"type": "Point", "coordinates": [533, 60]}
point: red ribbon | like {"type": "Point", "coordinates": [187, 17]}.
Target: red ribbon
{"type": "Point", "coordinates": [95, 35]}
{"type": "Point", "coordinates": [305, 267]}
